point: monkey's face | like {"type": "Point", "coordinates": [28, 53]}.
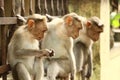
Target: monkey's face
{"type": "Point", "coordinates": [94, 32]}
{"type": "Point", "coordinates": [74, 28]}
{"type": "Point", "coordinates": [39, 30]}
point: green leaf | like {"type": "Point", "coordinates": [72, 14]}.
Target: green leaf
{"type": "Point", "coordinates": [115, 22]}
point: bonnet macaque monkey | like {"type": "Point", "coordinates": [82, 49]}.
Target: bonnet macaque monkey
{"type": "Point", "coordinates": [90, 33]}
{"type": "Point", "coordinates": [59, 37]}
{"type": "Point", "coordinates": [24, 55]}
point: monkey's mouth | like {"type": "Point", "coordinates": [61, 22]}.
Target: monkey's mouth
{"type": "Point", "coordinates": [96, 37]}
{"type": "Point", "coordinates": [39, 38]}
{"type": "Point", "coordinates": [75, 36]}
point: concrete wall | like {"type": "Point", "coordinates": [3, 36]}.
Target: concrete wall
{"type": "Point", "coordinates": [85, 7]}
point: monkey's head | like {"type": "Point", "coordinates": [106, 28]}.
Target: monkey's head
{"type": "Point", "coordinates": [94, 27]}
{"type": "Point", "coordinates": [72, 24]}
{"type": "Point", "coordinates": [37, 26]}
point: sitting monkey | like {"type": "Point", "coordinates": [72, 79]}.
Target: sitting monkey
{"type": "Point", "coordinates": [24, 55]}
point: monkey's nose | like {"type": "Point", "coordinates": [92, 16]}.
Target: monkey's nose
{"type": "Point", "coordinates": [75, 36]}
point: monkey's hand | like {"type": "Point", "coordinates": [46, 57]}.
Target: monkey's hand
{"type": "Point", "coordinates": [89, 73]}
{"type": "Point", "coordinates": [73, 74]}
{"type": "Point", "coordinates": [48, 52]}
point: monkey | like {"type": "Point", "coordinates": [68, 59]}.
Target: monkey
{"type": "Point", "coordinates": [59, 37]}
{"type": "Point", "coordinates": [24, 55]}
{"type": "Point", "coordinates": [92, 28]}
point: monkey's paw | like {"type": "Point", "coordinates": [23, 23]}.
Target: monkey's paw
{"type": "Point", "coordinates": [88, 75]}
{"type": "Point", "coordinates": [50, 52]}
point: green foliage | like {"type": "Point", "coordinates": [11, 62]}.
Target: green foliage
{"type": "Point", "coordinates": [115, 21]}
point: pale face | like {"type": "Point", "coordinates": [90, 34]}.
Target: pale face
{"type": "Point", "coordinates": [39, 30]}
{"type": "Point", "coordinates": [94, 32]}
{"type": "Point", "coordinates": [73, 30]}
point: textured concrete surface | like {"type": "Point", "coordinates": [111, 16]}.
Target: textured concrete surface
{"type": "Point", "coordinates": [111, 70]}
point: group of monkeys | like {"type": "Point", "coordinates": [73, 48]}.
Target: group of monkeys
{"type": "Point", "coordinates": [65, 50]}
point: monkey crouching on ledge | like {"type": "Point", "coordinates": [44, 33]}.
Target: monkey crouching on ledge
{"type": "Point", "coordinates": [24, 55]}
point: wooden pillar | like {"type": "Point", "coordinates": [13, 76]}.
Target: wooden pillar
{"type": "Point", "coordinates": [22, 8]}
{"type": "Point", "coordinates": [11, 28]}
{"type": "Point", "coordinates": [18, 6]}
{"type": "Point", "coordinates": [52, 6]}
{"type": "Point", "coordinates": [3, 38]}
{"type": "Point", "coordinates": [105, 37]}
{"type": "Point", "coordinates": [37, 6]}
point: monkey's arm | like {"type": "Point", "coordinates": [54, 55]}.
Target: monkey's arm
{"type": "Point", "coordinates": [90, 65]}
{"type": "Point", "coordinates": [72, 64]}
{"type": "Point", "coordinates": [32, 52]}
{"type": "Point", "coordinates": [69, 48]}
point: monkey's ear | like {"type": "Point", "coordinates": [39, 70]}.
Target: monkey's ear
{"type": "Point", "coordinates": [88, 24]}
{"type": "Point", "coordinates": [30, 23]}
{"type": "Point", "coordinates": [69, 20]}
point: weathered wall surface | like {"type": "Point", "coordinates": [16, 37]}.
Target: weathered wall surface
{"type": "Point", "coordinates": [85, 7]}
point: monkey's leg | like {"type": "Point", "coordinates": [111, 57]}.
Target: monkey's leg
{"type": "Point", "coordinates": [22, 72]}
{"type": "Point", "coordinates": [53, 70]}
{"type": "Point", "coordinates": [39, 69]}
{"type": "Point", "coordinates": [14, 74]}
